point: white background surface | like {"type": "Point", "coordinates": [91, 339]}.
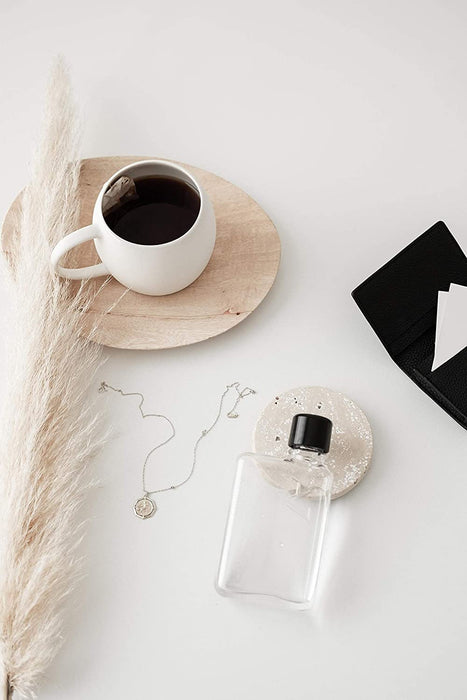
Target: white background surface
{"type": "Point", "coordinates": [347, 122]}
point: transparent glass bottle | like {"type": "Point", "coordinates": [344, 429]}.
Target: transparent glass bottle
{"type": "Point", "coordinates": [275, 527]}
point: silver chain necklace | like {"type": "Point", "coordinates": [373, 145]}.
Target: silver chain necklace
{"type": "Point", "coordinates": [146, 506]}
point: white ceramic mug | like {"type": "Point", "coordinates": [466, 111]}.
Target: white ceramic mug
{"type": "Point", "coordinates": [148, 269]}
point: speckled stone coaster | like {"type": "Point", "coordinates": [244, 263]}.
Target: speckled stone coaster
{"type": "Point", "coordinates": [352, 440]}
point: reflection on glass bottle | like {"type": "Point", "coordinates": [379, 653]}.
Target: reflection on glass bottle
{"type": "Point", "coordinates": [275, 528]}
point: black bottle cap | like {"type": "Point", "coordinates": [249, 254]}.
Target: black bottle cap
{"type": "Point", "coordinates": [310, 432]}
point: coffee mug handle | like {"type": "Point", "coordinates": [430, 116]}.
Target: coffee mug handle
{"type": "Point", "coordinates": [66, 244]}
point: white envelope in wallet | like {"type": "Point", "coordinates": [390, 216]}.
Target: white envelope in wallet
{"type": "Point", "coordinates": [451, 324]}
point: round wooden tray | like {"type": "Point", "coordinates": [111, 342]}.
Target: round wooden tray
{"type": "Point", "coordinates": [239, 275]}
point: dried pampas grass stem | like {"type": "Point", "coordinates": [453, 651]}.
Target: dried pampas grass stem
{"type": "Point", "coordinates": [49, 432]}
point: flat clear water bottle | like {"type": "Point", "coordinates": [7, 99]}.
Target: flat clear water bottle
{"type": "Point", "coordinates": [275, 527]}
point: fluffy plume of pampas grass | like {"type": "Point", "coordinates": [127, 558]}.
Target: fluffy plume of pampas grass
{"type": "Point", "coordinates": [47, 435]}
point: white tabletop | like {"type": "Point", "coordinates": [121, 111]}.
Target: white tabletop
{"type": "Point", "coordinates": [347, 123]}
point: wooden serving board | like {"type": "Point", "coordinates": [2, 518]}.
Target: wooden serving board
{"type": "Point", "coordinates": [239, 275]}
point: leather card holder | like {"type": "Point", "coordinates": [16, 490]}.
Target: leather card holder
{"type": "Point", "coordinates": [399, 301]}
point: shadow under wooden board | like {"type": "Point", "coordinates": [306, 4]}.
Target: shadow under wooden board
{"type": "Point", "coordinates": [239, 275]}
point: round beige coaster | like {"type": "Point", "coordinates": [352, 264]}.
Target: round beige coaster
{"type": "Point", "coordinates": [352, 440]}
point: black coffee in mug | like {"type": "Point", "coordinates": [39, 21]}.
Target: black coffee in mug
{"type": "Point", "coordinates": [161, 210]}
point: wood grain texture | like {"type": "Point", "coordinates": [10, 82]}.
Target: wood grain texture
{"type": "Point", "coordinates": [239, 275]}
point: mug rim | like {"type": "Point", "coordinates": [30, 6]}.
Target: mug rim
{"type": "Point", "coordinates": [149, 161]}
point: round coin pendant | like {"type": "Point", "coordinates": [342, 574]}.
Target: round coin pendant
{"type": "Point", "coordinates": [144, 507]}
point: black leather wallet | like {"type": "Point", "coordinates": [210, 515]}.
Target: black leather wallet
{"type": "Point", "coordinates": [399, 301]}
